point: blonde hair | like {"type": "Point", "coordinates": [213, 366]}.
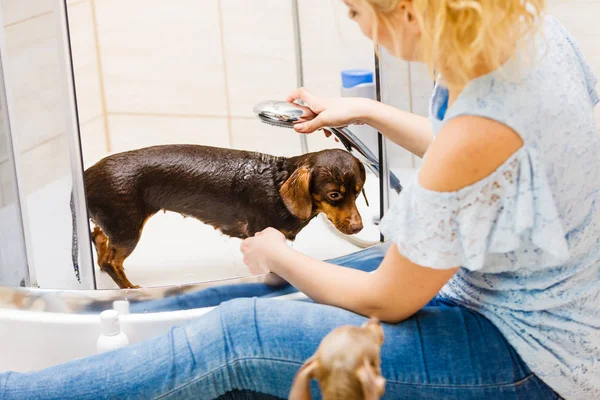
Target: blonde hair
{"type": "Point", "coordinates": [461, 39]}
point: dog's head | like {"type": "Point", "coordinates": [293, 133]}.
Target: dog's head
{"type": "Point", "coordinates": [346, 365]}
{"type": "Point", "coordinates": [328, 181]}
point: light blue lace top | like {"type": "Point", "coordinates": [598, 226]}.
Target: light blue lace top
{"type": "Point", "coordinates": [528, 235]}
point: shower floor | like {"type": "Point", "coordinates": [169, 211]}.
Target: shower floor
{"type": "Point", "coordinates": [173, 249]}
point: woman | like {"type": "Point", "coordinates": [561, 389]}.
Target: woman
{"type": "Point", "coordinates": [491, 288]}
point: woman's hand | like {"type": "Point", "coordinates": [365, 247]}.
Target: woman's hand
{"type": "Point", "coordinates": [411, 131]}
{"type": "Point", "coordinates": [260, 251]}
{"type": "Point", "coordinates": [334, 112]}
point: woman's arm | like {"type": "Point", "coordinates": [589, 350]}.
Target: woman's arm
{"type": "Point", "coordinates": [397, 290]}
{"type": "Point", "coordinates": [410, 131]}
{"type": "Point", "coordinates": [467, 150]}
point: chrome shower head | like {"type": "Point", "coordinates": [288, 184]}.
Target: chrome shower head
{"type": "Point", "coordinates": [285, 114]}
{"type": "Point", "coordinates": [279, 113]}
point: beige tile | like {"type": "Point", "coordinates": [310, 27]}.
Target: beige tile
{"type": "Point", "coordinates": [162, 56]}
{"type": "Point", "coordinates": [398, 157]}
{"type": "Point", "coordinates": [35, 80]}
{"type": "Point", "coordinates": [421, 89]}
{"type": "Point", "coordinates": [14, 11]}
{"type": "Point", "coordinates": [590, 49]}
{"type": "Point", "coordinates": [580, 17]}
{"type": "Point", "coordinates": [331, 42]}
{"type": "Point", "coordinates": [395, 76]}
{"type": "Point", "coordinates": [85, 62]}
{"type": "Point", "coordinates": [251, 134]}
{"type": "Point", "coordinates": [45, 163]}
{"type": "Point", "coordinates": [259, 50]}
{"type": "Point", "coordinates": [317, 141]}
{"type": "Point", "coordinates": [133, 132]}
{"type": "Point", "coordinates": [93, 141]}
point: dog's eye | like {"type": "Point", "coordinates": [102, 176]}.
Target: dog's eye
{"type": "Point", "coordinates": [335, 195]}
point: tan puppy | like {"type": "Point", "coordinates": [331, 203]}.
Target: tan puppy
{"type": "Point", "coordinates": [346, 365]}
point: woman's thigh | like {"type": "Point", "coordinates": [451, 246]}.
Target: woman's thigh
{"type": "Point", "coordinates": [443, 352]}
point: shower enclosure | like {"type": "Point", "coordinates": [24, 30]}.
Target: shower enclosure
{"type": "Point", "coordinates": [81, 79]}
{"type": "Point", "coordinates": [46, 115]}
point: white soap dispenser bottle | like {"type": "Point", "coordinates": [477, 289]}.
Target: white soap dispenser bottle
{"type": "Point", "coordinates": [111, 338]}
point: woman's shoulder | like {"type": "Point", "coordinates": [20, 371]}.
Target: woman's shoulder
{"type": "Point", "coordinates": [466, 150]}
{"type": "Point", "coordinates": [531, 92]}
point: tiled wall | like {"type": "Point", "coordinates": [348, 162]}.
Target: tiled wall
{"type": "Point", "coordinates": [183, 71]}
{"type": "Point", "coordinates": [33, 79]}
{"type": "Point", "coordinates": [156, 71]}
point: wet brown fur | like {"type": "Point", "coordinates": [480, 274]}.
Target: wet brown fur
{"type": "Point", "coordinates": [237, 192]}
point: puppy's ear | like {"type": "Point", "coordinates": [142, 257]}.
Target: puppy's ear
{"type": "Point", "coordinates": [374, 326]}
{"type": "Point", "coordinates": [295, 193]}
{"type": "Point", "coordinates": [373, 384]}
{"type": "Point", "coordinates": [363, 172]}
{"type": "Point", "coordinates": [301, 385]}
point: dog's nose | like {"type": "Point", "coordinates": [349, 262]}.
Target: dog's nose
{"type": "Point", "coordinates": [355, 226]}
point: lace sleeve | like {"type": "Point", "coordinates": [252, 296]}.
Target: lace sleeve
{"type": "Point", "coordinates": [590, 78]}
{"type": "Point", "coordinates": [508, 216]}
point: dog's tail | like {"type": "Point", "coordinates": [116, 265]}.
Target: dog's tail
{"type": "Point", "coordinates": [74, 241]}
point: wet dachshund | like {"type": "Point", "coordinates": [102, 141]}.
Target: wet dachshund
{"type": "Point", "coordinates": [237, 192]}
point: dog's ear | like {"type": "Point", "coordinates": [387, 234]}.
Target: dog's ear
{"type": "Point", "coordinates": [373, 384]}
{"type": "Point", "coordinates": [301, 385]}
{"type": "Point", "coordinates": [363, 172]}
{"type": "Point", "coordinates": [374, 326]}
{"type": "Point", "coordinates": [295, 193]}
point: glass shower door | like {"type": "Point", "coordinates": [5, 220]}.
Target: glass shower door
{"type": "Point", "coordinates": [40, 156]}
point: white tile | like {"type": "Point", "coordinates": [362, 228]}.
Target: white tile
{"type": "Point", "coordinates": [398, 157]}
{"type": "Point", "coordinates": [253, 135]}
{"type": "Point", "coordinates": [133, 132]}
{"type": "Point", "coordinates": [421, 88]}
{"type": "Point", "coordinates": [395, 88]}
{"type": "Point", "coordinates": [45, 163]}
{"type": "Point", "coordinates": [35, 81]}
{"type": "Point", "coordinates": [93, 141]}
{"type": "Point", "coordinates": [14, 11]}
{"type": "Point", "coordinates": [162, 56]}
{"type": "Point", "coordinates": [85, 62]}
{"type": "Point", "coordinates": [580, 17]}
{"type": "Point", "coordinates": [259, 51]}
{"type": "Point", "coordinates": [331, 42]}
{"type": "Point", "coordinates": [317, 141]}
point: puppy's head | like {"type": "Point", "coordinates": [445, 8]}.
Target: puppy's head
{"type": "Point", "coordinates": [346, 365]}
{"type": "Point", "coordinates": [328, 181]}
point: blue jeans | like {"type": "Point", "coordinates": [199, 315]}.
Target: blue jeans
{"type": "Point", "coordinates": [255, 346]}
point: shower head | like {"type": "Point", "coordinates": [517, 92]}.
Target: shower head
{"type": "Point", "coordinates": [285, 114]}
{"type": "Point", "coordinates": [280, 113]}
